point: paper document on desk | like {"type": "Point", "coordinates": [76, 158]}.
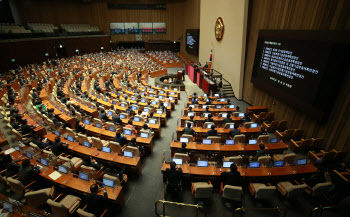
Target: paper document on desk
{"type": "Point", "coordinates": [55, 175]}
{"type": "Point", "coordinates": [9, 151]}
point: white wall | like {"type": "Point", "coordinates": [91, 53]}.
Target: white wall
{"type": "Point", "coordinates": [229, 53]}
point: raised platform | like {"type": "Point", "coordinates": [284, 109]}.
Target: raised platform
{"type": "Point", "coordinates": [176, 84]}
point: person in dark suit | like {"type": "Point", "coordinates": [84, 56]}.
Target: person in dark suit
{"type": "Point", "coordinates": [231, 176]}
{"type": "Point", "coordinates": [79, 128]}
{"type": "Point", "coordinates": [27, 173]}
{"type": "Point", "coordinates": [183, 74]}
{"type": "Point", "coordinates": [39, 143]}
{"type": "Point", "coordinates": [96, 204]}
{"type": "Point", "coordinates": [228, 119]}
{"type": "Point", "coordinates": [208, 101]}
{"type": "Point", "coordinates": [173, 177]}
{"type": "Point", "coordinates": [58, 147]}
{"type": "Point", "coordinates": [246, 118]}
{"type": "Point", "coordinates": [120, 139]}
{"type": "Point", "coordinates": [212, 132]}
{"type": "Point", "coordinates": [234, 131]}
{"type": "Point", "coordinates": [133, 144]}
{"type": "Point", "coordinates": [188, 130]}
{"type": "Point", "coordinates": [183, 149]}
{"type": "Point", "coordinates": [260, 153]}
{"type": "Point", "coordinates": [27, 129]}
{"type": "Point", "coordinates": [14, 124]}
{"type": "Point", "coordinates": [103, 116]}
{"type": "Point", "coordinates": [91, 163]}
{"type": "Point", "coordinates": [116, 119]}
{"type": "Point", "coordinates": [209, 119]}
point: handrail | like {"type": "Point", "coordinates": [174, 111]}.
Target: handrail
{"type": "Point", "coordinates": [178, 204]}
{"type": "Point", "coordinates": [318, 211]}
{"type": "Point", "coordinates": [242, 210]}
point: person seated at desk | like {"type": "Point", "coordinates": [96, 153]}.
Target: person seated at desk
{"type": "Point", "coordinates": [167, 99]}
{"type": "Point", "coordinates": [145, 128]}
{"type": "Point", "coordinates": [238, 109]}
{"type": "Point", "coordinates": [209, 119]}
{"type": "Point", "coordinates": [59, 147]}
{"type": "Point", "coordinates": [41, 144]}
{"type": "Point", "coordinates": [14, 124]}
{"type": "Point", "coordinates": [133, 144]}
{"type": "Point", "coordinates": [129, 125]}
{"type": "Point", "coordinates": [231, 176]}
{"type": "Point", "coordinates": [129, 110]}
{"type": "Point", "coordinates": [63, 99]}
{"type": "Point", "coordinates": [27, 173]}
{"type": "Point", "coordinates": [183, 149]}
{"type": "Point", "coordinates": [246, 118]}
{"type": "Point", "coordinates": [173, 178]}
{"type": "Point", "coordinates": [228, 102]}
{"type": "Point", "coordinates": [96, 204]}
{"type": "Point", "coordinates": [116, 118]}
{"type": "Point", "coordinates": [84, 95]}
{"type": "Point", "coordinates": [194, 101]}
{"type": "Point", "coordinates": [212, 132]}
{"type": "Point", "coordinates": [208, 102]}
{"type": "Point", "coordinates": [235, 131]}
{"type": "Point", "coordinates": [88, 161]}
{"type": "Point", "coordinates": [228, 119]}
{"type": "Point", "coordinates": [261, 152]}
{"type": "Point", "coordinates": [52, 117]}
{"type": "Point", "coordinates": [191, 119]}
{"type": "Point", "coordinates": [120, 139]}
{"type": "Point", "coordinates": [263, 131]}
{"type": "Point", "coordinates": [319, 177]}
{"type": "Point", "coordinates": [103, 116]}
{"type": "Point", "coordinates": [113, 171]}
{"type": "Point", "coordinates": [42, 109]}
{"type": "Point", "coordinates": [27, 129]}
{"type": "Point", "coordinates": [79, 128]}
{"type": "Point", "coordinates": [188, 130]}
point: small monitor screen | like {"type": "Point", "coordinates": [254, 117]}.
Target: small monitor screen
{"type": "Point", "coordinates": [171, 98]}
{"type": "Point", "coordinates": [145, 109]}
{"type": "Point", "coordinates": [98, 96]}
{"type": "Point", "coordinates": [206, 114]}
{"type": "Point", "coordinates": [190, 114]}
{"type": "Point", "coordinates": [86, 144]}
{"type": "Point", "coordinates": [202, 163]}
{"type": "Point", "coordinates": [226, 164]}
{"type": "Point", "coordinates": [86, 121]}
{"type": "Point", "coordinates": [84, 103]}
{"type": "Point", "coordinates": [92, 107]}
{"type": "Point", "coordinates": [70, 138]}
{"type": "Point", "coordinates": [105, 99]}
{"type": "Point", "coordinates": [178, 161]}
{"type": "Point", "coordinates": [127, 132]}
{"type": "Point", "coordinates": [62, 169]}
{"type": "Point", "coordinates": [144, 135]}
{"type": "Point", "coordinates": [184, 139]}
{"type": "Point", "coordinates": [133, 98]}
{"type": "Point", "coordinates": [114, 102]}
{"type": "Point", "coordinates": [254, 165]}
{"type": "Point", "coordinates": [301, 161]}
{"type": "Point", "coordinates": [230, 142]}
{"type": "Point", "coordinates": [127, 153]}
{"type": "Point", "coordinates": [134, 108]}
{"type": "Point", "coordinates": [204, 106]}
{"type": "Point", "coordinates": [222, 100]}
{"type": "Point", "coordinates": [207, 141]}
{"type": "Point", "coordinates": [122, 116]}
{"type": "Point", "coordinates": [253, 141]}
{"type": "Point", "coordinates": [111, 128]}
{"type": "Point", "coordinates": [166, 88]}
{"type": "Point", "coordinates": [17, 148]}
{"type": "Point", "coordinates": [274, 140]}
{"type": "Point", "coordinates": [162, 91]}
{"type": "Point", "coordinates": [137, 119]}
{"type": "Point", "coordinates": [172, 93]}
{"type": "Point", "coordinates": [106, 149]}
{"type": "Point", "coordinates": [209, 126]}
{"type": "Point", "coordinates": [98, 125]}
{"type": "Point", "coordinates": [279, 163]}
{"type": "Point", "coordinates": [154, 103]}
{"type": "Point", "coordinates": [152, 121]}
{"type": "Point", "coordinates": [175, 89]}
{"type": "Point", "coordinates": [255, 125]}
{"type": "Point", "coordinates": [108, 183]}
{"type": "Point", "coordinates": [241, 115]}
{"type": "Point", "coordinates": [43, 161]}
{"type": "Point", "coordinates": [110, 113]}
{"type": "Point", "coordinates": [216, 95]}
{"type": "Point", "coordinates": [192, 106]}
{"type": "Point", "coordinates": [158, 85]}
{"type": "Point", "coordinates": [224, 115]}
{"type": "Point", "coordinates": [83, 176]}
{"type": "Point", "coordinates": [143, 100]}
{"type": "Point", "coordinates": [232, 126]}
{"type": "Point", "coordinates": [231, 106]}
{"type": "Point", "coordinates": [7, 206]}
{"type": "Point", "coordinates": [151, 95]}
{"type": "Point", "coordinates": [161, 97]}
{"type": "Point", "coordinates": [123, 105]}
{"type": "Point", "coordinates": [166, 104]}
{"type": "Point", "coordinates": [159, 111]}
{"type": "Point", "coordinates": [29, 155]}
{"type": "Point", "coordinates": [57, 133]}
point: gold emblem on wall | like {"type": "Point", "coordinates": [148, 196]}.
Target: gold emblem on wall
{"type": "Point", "coordinates": [219, 29]}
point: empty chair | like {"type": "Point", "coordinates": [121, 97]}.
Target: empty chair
{"type": "Point", "coordinates": [206, 124]}
{"type": "Point", "coordinates": [297, 135]}
{"type": "Point", "coordinates": [83, 138]}
{"type": "Point", "coordinates": [202, 190]}
{"type": "Point", "coordinates": [271, 127]}
{"type": "Point", "coordinates": [83, 213]}
{"type": "Point", "coordinates": [340, 156]}
{"type": "Point", "coordinates": [247, 124]}
{"type": "Point", "coordinates": [215, 139]}
{"type": "Point", "coordinates": [92, 172]}
{"type": "Point", "coordinates": [239, 139]}
{"type": "Point", "coordinates": [17, 187]}
{"type": "Point", "coordinates": [184, 157]}
{"type": "Point", "coordinates": [236, 159]}
{"type": "Point", "coordinates": [98, 143]}
{"type": "Point", "coordinates": [259, 118]}
{"type": "Point", "coordinates": [116, 180]}
{"type": "Point", "coordinates": [270, 116]}
{"type": "Point", "coordinates": [284, 136]}
{"type": "Point", "coordinates": [231, 193]}
{"type": "Point", "coordinates": [300, 145]}
{"type": "Point", "coordinates": [263, 139]}
{"type": "Point", "coordinates": [319, 189]}
{"type": "Point", "coordinates": [264, 160]}
{"type": "Point", "coordinates": [38, 198]}
{"type": "Point", "coordinates": [288, 158]}
{"type": "Point", "coordinates": [290, 190]}
{"type": "Point", "coordinates": [64, 206]}
{"type": "Point", "coordinates": [316, 144]}
{"type": "Point", "coordinates": [135, 151]}
{"type": "Point", "coordinates": [35, 147]}
{"type": "Point", "coordinates": [115, 147]}
{"type": "Point", "coordinates": [71, 163]}
{"type": "Point", "coordinates": [282, 126]}
{"type": "Point", "coordinates": [261, 191]}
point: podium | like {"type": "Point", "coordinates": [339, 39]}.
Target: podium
{"type": "Point", "coordinates": [179, 75]}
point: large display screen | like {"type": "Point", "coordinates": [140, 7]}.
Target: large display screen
{"type": "Point", "coordinates": [192, 41]}
{"type": "Point", "coordinates": [303, 68]}
{"type": "Point", "coordinates": [137, 28]}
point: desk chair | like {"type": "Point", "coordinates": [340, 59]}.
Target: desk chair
{"type": "Point", "coordinates": [34, 147]}
{"type": "Point", "coordinates": [236, 159]}
{"type": "Point", "coordinates": [271, 127]}
{"type": "Point", "coordinates": [83, 138]}
{"type": "Point", "coordinates": [290, 190]}
{"type": "Point", "coordinates": [316, 144]}
{"type": "Point", "coordinates": [190, 137]}
{"type": "Point", "coordinates": [263, 139]}
{"type": "Point", "coordinates": [235, 114]}
{"type": "Point", "coordinates": [284, 136]}
{"type": "Point", "coordinates": [300, 145]}
{"type": "Point", "coordinates": [135, 150]}
{"type": "Point", "coordinates": [297, 135]}
{"type": "Point", "coordinates": [287, 158]}
{"type": "Point", "coordinates": [18, 188]}
{"type": "Point", "coordinates": [231, 193]}
{"type": "Point", "coordinates": [227, 125]}
{"type": "Point", "coordinates": [72, 163]}
{"type": "Point", "coordinates": [319, 190]}
{"type": "Point", "coordinates": [205, 126]}
{"type": "Point", "coordinates": [264, 160]}
{"type": "Point", "coordinates": [184, 157]}
{"type": "Point", "coordinates": [247, 124]}
{"type": "Point", "coordinates": [270, 116]}
{"type": "Point", "coordinates": [259, 118]}
{"type": "Point", "coordinates": [115, 147]}
{"type": "Point", "coordinates": [50, 156]}
{"type": "Point", "coordinates": [20, 137]}
{"type": "Point", "coordinates": [83, 213]}
{"type": "Point", "coordinates": [38, 198]}
{"type": "Point", "coordinates": [92, 172]}
{"type": "Point", "coordinates": [215, 139]}
{"type": "Point", "coordinates": [64, 206]}
{"type": "Point", "coordinates": [282, 126]}
{"type": "Point", "coordinates": [239, 139]}
{"type": "Point", "coordinates": [202, 190]}
{"type": "Point", "coordinates": [98, 143]}
{"type": "Point", "coordinates": [261, 191]}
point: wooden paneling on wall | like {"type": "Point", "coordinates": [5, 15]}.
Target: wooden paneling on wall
{"type": "Point", "coordinates": [178, 16]}
{"type": "Point", "coordinates": [301, 15]}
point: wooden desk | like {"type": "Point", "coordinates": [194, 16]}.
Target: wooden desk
{"type": "Point", "coordinates": [132, 164]}
{"type": "Point", "coordinates": [200, 120]}
{"type": "Point", "coordinates": [227, 150]}
{"type": "Point", "coordinates": [63, 116]}
{"type": "Point", "coordinates": [256, 109]}
{"type": "Point", "coordinates": [247, 174]}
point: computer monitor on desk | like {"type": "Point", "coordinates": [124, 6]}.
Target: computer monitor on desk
{"type": "Point", "coordinates": [206, 141]}
{"type": "Point", "coordinates": [152, 121]}
{"type": "Point", "coordinates": [202, 163]}
{"type": "Point", "coordinates": [84, 176]}
{"type": "Point", "coordinates": [92, 107]}
{"type": "Point", "coordinates": [62, 169]}
{"type": "Point", "coordinates": [184, 140]}
{"type": "Point", "coordinates": [232, 126]}
{"type": "Point", "coordinates": [224, 115]}
{"type": "Point", "coordinates": [144, 135]}
{"type": "Point", "coordinates": [133, 108]}
{"type": "Point", "coordinates": [254, 125]}
{"type": "Point", "coordinates": [7, 206]}
{"type": "Point", "coordinates": [57, 133]}
{"type": "Point", "coordinates": [44, 162]}
{"type": "Point", "coordinates": [252, 142]}
{"type": "Point", "coordinates": [190, 114]}
{"type": "Point", "coordinates": [273, 140]}
{"type": "Point", "coordinates": [279, 163]}
{"type": "Point", "coordinates": [254, 164]}
{"type": "Point", "coordinates": [70, 138]}
{"type": "Point", "coordinates": [159, 111]}
{"type": "Point", "coordinates": [206, 114]}
{"type": "Point", "coordinates": [128, 154]}
{"type": "Point", "coordinates": [226, 164]}
{"type": "Point", "coordinates": [108, 183]}
{"type": "Point", "coordinates": [302, 161]}
{"type": "Point", "coordinates": [178, 161]}
{"type": "Point", "coordinates": [122, 116]}
{"type": "Point", "coordinates": [230, 142]}
{"type": "Point", "coordinates": [86, 121]}
{"type": "Point", "coordinates": [145, 109]}
{"type": "Point", "coordinates": [192, 106]}
{"type": "Point", "coordinates": [106, 149]}
{"type": "Point", "coordinates": [241, 115]}
{"type": "Point", "coordinates": [137, 119]}
{"type": "Point", "coordinates": [110, 113]}
{"type": "Point", "coordinates": [222, 100]}
{"type": "Point", "coordinates": [127, 132]}
{"type": "Point", "coordinates": [98, 125]}
{"type": "Point", "coordinates": [111, 128]}
{"type": "Point", "coordinates": [29, 155]}
{"type": "Point", "coordinates": [219, 106]}
{"type": "Point", "coordinates": [209, 126]}
{"type": "Point", "coordinates": [86, 144]}
{"type": "Point", "coordinates": [231, 106]}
